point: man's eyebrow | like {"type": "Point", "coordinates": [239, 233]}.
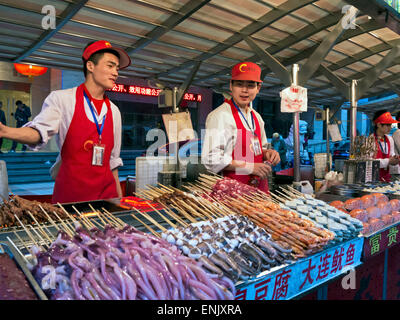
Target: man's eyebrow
{"type": "Point", "coordinates": [113, 63]}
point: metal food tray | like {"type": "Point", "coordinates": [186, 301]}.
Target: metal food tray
{"type": "Point", "coordinates": [10, 250]}
{"type": "Point", "coordinates": [111, 205]}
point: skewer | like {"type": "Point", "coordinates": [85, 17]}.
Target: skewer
{"type": "Point", "coordinates": [147, 227]}
{"type": "Point", "coordinates": [23, 242]}
{"type": "Point", "coordinates": [112, 217]}
{"type": "Point", "coordinates": [173, 215]}
{"type": "Point", "coordinates": [283, 195]}
{"type": "Point", "coordinates": [20, 253]}
{"type": "Point", "coordinates": [49, 218]}
{"type": "Point", "coordinates": [165, 219]}
{"type": "Point", "coordinates": [192, 212]}
{"type": "Point", "coordinates": [67, 229]}
{"type": "Point", "coordinates": [84, 219]}
{"type": "Point", "coordinates": [40, 237]}
{"type": "Point", "coordinates": [152, 220]}
{"type": "Point", "coordinates": [28, 233]}
{"type": "Point", "coordinates": [39, 226]}
{"type": "Point", "coordinates": [165, 187]}
{"type": "Point", "coordinates": [98, 213]}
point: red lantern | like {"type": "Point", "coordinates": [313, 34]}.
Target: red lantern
{"type": "Point", "coordinates": [29, 70]}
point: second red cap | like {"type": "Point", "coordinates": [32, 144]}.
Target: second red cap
{"type": "Point", "coordinates": [124, 59]}
{"type": "Point", "coordinates": [246, 71]}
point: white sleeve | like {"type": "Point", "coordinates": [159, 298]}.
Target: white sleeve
{"type": "Point", "coordinates": [218, 143]}
{"type": "Point", "coordinates": [47, 122]}
{"type": "Point", "coordinates": [115, 159]}
{"type": "Point", "coordinates": [396, 140]}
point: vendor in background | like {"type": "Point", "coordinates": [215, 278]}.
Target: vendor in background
{"type": "Point", "coordinates": [22, 115]}
{"type": "Point", "coordinates": [87, 125]}
{"type": "Point", "coordinates": [279, 145]}
{"type": "Point", "coordinates": [235, 142]}
{"type": "Point", "coordinates": [383, 121]}
{"type": "Point", "coordinates": [395, 170]}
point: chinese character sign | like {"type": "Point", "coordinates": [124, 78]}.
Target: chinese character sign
{"type": "Point", "coordinates": [291, 280]}
{"type": "Point", "coordinates": [380, 241]}
{"type": "Point", "coordinates": [151, 92]}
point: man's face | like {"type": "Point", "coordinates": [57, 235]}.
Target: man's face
{"type": "Point", "coordinates": [243, 91]}
{"type": "Point", "coordinates": [105, 72]}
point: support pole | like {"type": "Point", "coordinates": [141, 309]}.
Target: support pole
{"type": "Point", "coordinates": [296, 131]}
{"type": "Point", "coordinates": [353, 111]}
{"type": "Point", "coordinates": [328, 158]}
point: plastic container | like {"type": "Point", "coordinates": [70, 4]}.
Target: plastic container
{"type": "Point", "coordinates": [304, 187]}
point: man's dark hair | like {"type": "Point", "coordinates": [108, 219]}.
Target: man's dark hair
{"type": "Point", "coordinates": [18, 102]}
{"type": "Point", "coordinates": [377, 114]}
{"type": "Point", "coordinates": [398, 116]}
{"type": "Point", "coordinates": [96, 56]}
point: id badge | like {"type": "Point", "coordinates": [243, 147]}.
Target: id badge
{"type": "Point", "coordinates": [98, 155]}
{"type": "Point", "coordinates": [256, 146]}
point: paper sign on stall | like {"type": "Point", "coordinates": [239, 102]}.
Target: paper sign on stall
{"type": "Point", "coordinates": [294, 99]}
{"type": "Point", "coordinates": [178, 126]}
{"type": "Point", "coordinates": [334, 132]}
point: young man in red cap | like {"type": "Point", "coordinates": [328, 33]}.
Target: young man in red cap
{"type": "Point", "coordinates": [87, 126]}
{"type": "Point", "coordinates": [235, 142]}
{"type": "Point", "coordinates": [383, 121]}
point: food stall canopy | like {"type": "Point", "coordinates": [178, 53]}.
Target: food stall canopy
{"type": "Point", "coordinates": [167, 38]}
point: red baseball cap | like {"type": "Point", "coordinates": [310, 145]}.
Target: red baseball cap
{"type": "Point", "coordinates": [124, 59]}
{"type": "Point", "coordinates": [246, 71]}
{"type": "Point", "coordinates": [385, 118]}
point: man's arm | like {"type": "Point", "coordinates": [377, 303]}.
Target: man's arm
{"type": "Point", "coordinates": [23, 135]}
{"type": "Point", "coordinates": [118, 184]}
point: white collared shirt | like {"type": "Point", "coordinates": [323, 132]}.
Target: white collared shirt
{"type": "Point", "coordinates": [55, 118]}
{"type": "Point", "coordinates": [220, 136]}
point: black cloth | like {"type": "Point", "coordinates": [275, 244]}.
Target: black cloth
{"type": "Point", "coordinates": [2, 117]}
{"type": "Point", "coordinates": [22, 115]}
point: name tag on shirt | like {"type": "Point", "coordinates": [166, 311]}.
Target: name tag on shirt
{"type": "Point", "coordinates": [256, 146]}
{"type": "Point", "coordinates": [98, 155]}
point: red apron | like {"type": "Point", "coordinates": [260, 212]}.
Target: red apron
{"type": "Point", "coordinates": [243, 150]}
{"type": "Point", "coordinates": [384, 174]}
{"type": "Point", "coordinates": [77, 179]}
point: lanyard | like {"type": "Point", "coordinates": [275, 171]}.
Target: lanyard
{"type": "Point", "coordinates": [99, 130]}
{"type": "Point", "coordinates": [380, 145]}
{"type": "Point", "coordinates": [252, 119]}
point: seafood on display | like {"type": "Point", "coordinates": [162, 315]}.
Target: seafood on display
{"type": "Point", "coordinates": [390, 188]}
{"type": "Point", "coordinates": [325, 216]}
{"type": "Point", "coordinates": [232, 246]}
{"type": "Point", "coordinates": [284, 226]}
{"type": "Point", "coordinates": [122, 264]}
{"type": "Point", "coordinates": [375, 211]}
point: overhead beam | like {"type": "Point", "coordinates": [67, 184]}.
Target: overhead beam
{"type": "Point", "coordinates": [186, 11]}
{"type": "Point", "coordinates": [186, 84]}
{"type": "Point", "coordinates": [319, 54]}
{"type": "Point", "coordinates": [372, 74]}
{"type": "Point", "coordinates": [280, 71]}
{"type": "Point", "coordinates": [65, 16]}
{"type": "Point", "coordinates": [338, 82]}
{"type": "Point", "coordinates": [264, 21]}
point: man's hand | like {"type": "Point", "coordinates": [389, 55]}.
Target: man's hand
{"type": "Point", "coordinates": [393, 160]}
{"type": "Point", "coordinates": [261, 170]}
{"type": "Point", "coordinates": [272, 156]}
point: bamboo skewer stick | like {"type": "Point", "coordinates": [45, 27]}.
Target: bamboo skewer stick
{"type": "Point", "coordinates": [23, 242]}
{"type": "Point", "coordinates": [175, 216]}
{"type": "Point", "coordinates": [163, 229]}
{"type": "Point", "coordinates": [46, 246]}
{"type": "Point", "coordinates": [20, 253]}
{"type": "Point", "coordinates": [146, 226]}
{"type": "Point", "coordinates": [98, 214]}
{"type": "Point", "coordinates": [162, 216]}
{"type": "Point", "coordinates": [183, 212]}
{"type": "Point", "coordinates": [28, 233]}
{"type": "Point", "coordinates": [50, 219]}
{"type": "Point", "coordinates": [114, 218]}
{"type": "Point", "coordinates": [39, 226]}
{"type": "Point", "coordinates": [84, 219]}
{"type": "Point", "coordinates": [67, 229]}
